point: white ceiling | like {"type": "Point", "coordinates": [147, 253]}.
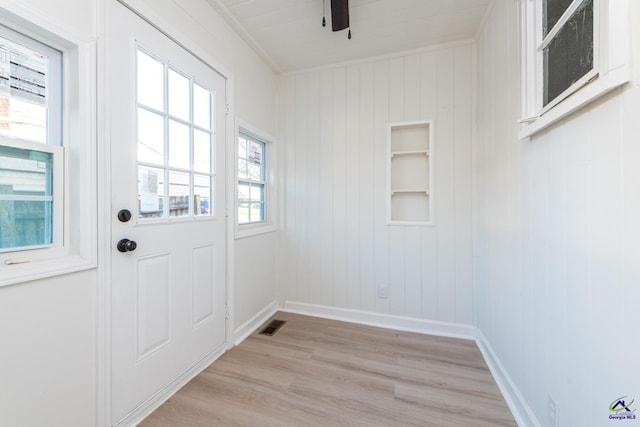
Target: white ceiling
{"type": "Point", "coordinates": [290, 36]}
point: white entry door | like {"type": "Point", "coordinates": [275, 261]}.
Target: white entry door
{"type": "Point", "coordinates": [168, 212]}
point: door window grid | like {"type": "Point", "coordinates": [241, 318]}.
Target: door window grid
{"type": "Point", "coordinates": [175, 143]}
{"type": "Point", "coordinates": [251, 180]}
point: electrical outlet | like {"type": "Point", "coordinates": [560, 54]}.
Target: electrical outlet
{"type": "Point", "coordinates": [552, 411]}
{"type": "Point", "coordinates": [382, 291]}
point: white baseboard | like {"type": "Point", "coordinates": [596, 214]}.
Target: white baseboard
{"type": "Point", "coordinates": [398, 323]}
{"type": "Point", "coordinates": [520, 410]}
{"type": "Point", "coordinates": [145, 409]}
{"type": "Point", "coordinates": [254, 323]}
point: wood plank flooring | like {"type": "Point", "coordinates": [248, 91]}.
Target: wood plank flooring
{"type": "Point", "coordinates": [318, 372]}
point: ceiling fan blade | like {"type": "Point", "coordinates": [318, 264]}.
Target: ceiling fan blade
{"type": "Point", "coordinates": [339, 14]}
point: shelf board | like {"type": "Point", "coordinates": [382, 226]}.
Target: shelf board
{"type": "Point", "coordinates": [402, 191]}
{"type": "Point", "coordinates": [409, 153]}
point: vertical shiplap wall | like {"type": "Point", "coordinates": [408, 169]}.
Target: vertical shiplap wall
{"type": "Point", "coordinates": [335, 248]}
{"type": "Point", "coordinates": [557, 260]}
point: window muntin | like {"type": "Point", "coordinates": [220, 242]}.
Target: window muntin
{"type": "Point", "coordinates": [567, 46]}
{"type": "Point", "coordinates": [175, 142]}
{"type": "Point", "coordinates": [251, 180]}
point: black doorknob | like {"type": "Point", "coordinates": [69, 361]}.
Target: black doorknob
{"type": "Point", "coordinates": [126, 245]}
{"type": "Point", "coordinates": [124, 215]}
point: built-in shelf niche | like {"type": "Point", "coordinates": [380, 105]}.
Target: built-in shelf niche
{"type": "Point", "coordinates": [410, 173]}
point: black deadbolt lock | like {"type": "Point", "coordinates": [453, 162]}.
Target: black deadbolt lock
{"type": "Point", "coordinates": [124, 215]}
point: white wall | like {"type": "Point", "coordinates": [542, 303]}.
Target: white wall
{"type": "Point", "coordinates": [47, 327]}
{"type": "Point", "coordinates": [335, 248]}
{"type": "Point", "coordinates": [557, 260]}
{"type": "Point", "coordinates": [47, 362]}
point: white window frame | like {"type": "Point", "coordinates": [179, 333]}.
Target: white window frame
{"type": "Point", "coordinates": [269, 224]}
{"type": "Point", "coordinates": [75, 213]}
{"type": "Point", "coordinates": [611, 65]}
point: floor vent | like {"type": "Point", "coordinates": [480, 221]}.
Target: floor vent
{"type": "Point", "coordinates": [272, 327]}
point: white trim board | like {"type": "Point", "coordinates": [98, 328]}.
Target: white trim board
{"type": "Point", "coordinates": [519, 408]}
{"type": "Point", "coordinates": [399, 323]}
{"type": "Point", "coordinates": [251, 325]}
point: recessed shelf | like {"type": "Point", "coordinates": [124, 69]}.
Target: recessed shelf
{"type": "Point", "coordinates": [400, 191]}
{"type": "Point", "coordinates": [409, 153]}
{"type": "Point", "coordinates": [410, 173]}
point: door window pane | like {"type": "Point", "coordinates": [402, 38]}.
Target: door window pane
{"type": "Point", "coordinates": [201, 107]}
{"type": "Point", "coordinates": [202, 151]}
{"type": "Point", "coordinates": [179, 101]}
{"type": "Point", "coordinates": [202, 195]}
{"type": "Point", "coordinates": [150, 137]}
{"type": "Point", "coordinates": [150, 82]}
{"type": "Point", "coordinates": [178, 145]}
{"type": "Point", "coordinates": [178, 194]}
{"type": "Point", "coordinates": [150, 192]}
{"type": "Point", "coordinates": [175, 144]}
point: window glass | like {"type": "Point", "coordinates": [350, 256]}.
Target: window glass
{"type": "Point", "coordinates": [175, 143]}
{"type": "Point", "coordinates": [150, 81]}
{"type": "Point", "coordinates": [26, 198]}
{"type": "Point", "coordinates": [30, 116]}
{"type": "Point", "coordinates": [251, 180]}
{"type": "Point", "coordinates": [553, 10]}
{"type": "Point", "coordinates": [569, 55]}
{"type": "Point", "coordinates": [179, 102]}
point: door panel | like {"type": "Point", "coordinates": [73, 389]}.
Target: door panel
{"type": "Point", "coordinates": [167, 169]}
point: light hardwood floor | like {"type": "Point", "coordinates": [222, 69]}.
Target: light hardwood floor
{"type": "Point", "coordinates": [318, 372]}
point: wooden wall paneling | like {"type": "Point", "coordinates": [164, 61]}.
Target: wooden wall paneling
{"type": "Point", "coordinates": [577, 271]}
{"type": "Point", "coordinates": [607, 232]}
{"type": "Point", "coordinates": [556, 254]}
{"type": "Point", "coordinates": [313, 191]}
{"type": "Point", "coordinates": [497, 175]}
{"type": "Point", "coordinates": [381, 117]}
{"type": "Point", "coordinates": [301, 188]}
{"type": "Point", "coordinates": [353, 187]}
{"type": "Point", "coordinates": [396, 253]}
{"type": "Point", "coordinates": [445, 167]}
{"type": "Point", "coordinates": [516, 167]}
{"type": "Point", "coordinates": [339, 189]}
{"type": "Point", "coordinates": [287, 243]}
{"type": "Point", "coordinates": [366, 153]}
{"type": "Point", "coordinates": [412, 268]}
{"type": "Point", "coordinates": [326, 185]}
{"type": "Point", "coordinates": [429, 235]}
{"type": "Point", "coordinates": [413, 247]}
{"type": "Point", "coordinates": [462, 184]}
{"type": "Point", "coordinates": [631, 179]}
{"type": "Point", "coordinates": [536, 202]}
{"type": "Point", "coordinates": [412, 91]}
{"type": "Point", "coordinates": [340, 248]}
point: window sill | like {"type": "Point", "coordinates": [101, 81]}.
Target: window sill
{"type": "Point", "coordinates": [254, 230]}
{"type": "Point", "coordinates": [589, 93]}
{"type": "Point", "coordinates": [20, 273]}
